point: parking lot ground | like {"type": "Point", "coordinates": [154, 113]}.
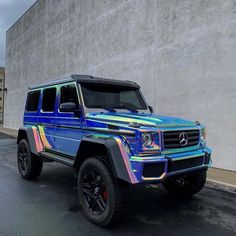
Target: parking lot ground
{"type": "Point", "coordinates": [43, 207]}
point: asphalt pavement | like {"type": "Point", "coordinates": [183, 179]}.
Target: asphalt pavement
{"type": "Point", "coordinates": [48, 206]}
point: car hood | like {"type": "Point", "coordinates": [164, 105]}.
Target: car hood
{"type": "Point", "coordinates": [143, 120]}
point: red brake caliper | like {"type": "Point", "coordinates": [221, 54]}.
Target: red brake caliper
{"type": "Point", "coordinates": [104, 194]}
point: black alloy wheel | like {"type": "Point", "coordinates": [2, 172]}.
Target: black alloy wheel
{"type": "Point", "coordinates": [95, 192]}
{"type": "Point", "coordinates": [23, 158]}
{"type": "Point", "coordinates": [99, 192]}
{"type": "Point", "coordinates": [29, 165]}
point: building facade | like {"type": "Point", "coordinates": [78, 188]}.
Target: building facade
{"type": "Point", "coordinates": [2, 79]}
{"type": "Point", "coordinates": [182, 53]}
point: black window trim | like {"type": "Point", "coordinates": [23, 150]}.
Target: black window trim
{"type": "Point", "coordinates": [41, 105]}
{"type": "Point", "coordinates": [27, 99]}
{"type": "Point", "coordinates": [88, 110]}
{"type": "Point", "coordinates": [77, 91]}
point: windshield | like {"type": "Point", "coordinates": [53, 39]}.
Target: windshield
{"type": "Point", "coordinates": [111, 97]}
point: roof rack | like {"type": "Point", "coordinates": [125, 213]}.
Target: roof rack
{"type": "Point", "coordinates": [130, 81]}
{"type": "Point", "coordinates": [79, 76]}
{"type": "Point", "coordinates": [51, 83]}
{"type": "Point", "coordinates": [88, 79]}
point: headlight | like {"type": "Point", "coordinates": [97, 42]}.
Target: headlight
{"type": "Point", "coordinates": [203, 135]}
{"type": "Point", "coordinates": [147, 140]}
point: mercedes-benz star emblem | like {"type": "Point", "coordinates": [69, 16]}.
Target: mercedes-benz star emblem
{"type": "Point", "coordinates": [183, 139]}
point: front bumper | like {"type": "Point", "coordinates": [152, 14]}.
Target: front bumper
{"type": "Point", "coordinates": [158, 168]}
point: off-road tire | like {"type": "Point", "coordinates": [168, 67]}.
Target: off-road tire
{"type": "Point", "coordinates": [113, 187]}
{"type": "Point", "coordinates": [33, 164]}
{"type": "Point", "coordinates": [194, 183]}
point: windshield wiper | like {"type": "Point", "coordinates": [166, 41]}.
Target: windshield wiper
{"type": "Point", "coordinates": [129, 108]}
{"type": "Point", "coordinates": [111, 109]}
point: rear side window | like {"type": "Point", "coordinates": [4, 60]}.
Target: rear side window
{"type": "Point", "coordinates": [33, 101]}
{"type": "Point", "coordinates": [49, 99]}
{"type": "Point", "coordinates": [69, 94]}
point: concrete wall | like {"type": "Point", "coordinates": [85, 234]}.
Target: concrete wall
{"type": "Point", "coordinates": [182, 52]}
{"type": "Point", "coordinates": [2, 79]}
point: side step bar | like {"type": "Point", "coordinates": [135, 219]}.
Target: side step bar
{"type": "Point", "coordinates": [57, 158]}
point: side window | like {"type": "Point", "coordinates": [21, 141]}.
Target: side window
{"type": "Point", "coordinates": [49, 99]}
{"type": "Point", "coordinates": [69, 94]}
{"type": "Point", "coordinates": [33, 101]}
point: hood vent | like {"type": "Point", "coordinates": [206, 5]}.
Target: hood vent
{"type": "Point", "coordinates": [134, 125]}
{"type": "Point", "coordinates": [113, 127]}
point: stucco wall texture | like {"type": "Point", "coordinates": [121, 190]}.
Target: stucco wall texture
{"type": "Point", "coordinates": [182, 53]}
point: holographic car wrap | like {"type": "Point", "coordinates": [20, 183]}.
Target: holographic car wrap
{"type": "Point", "coordinates": [63, 132]}
{"type": "Point", "coordinates": [43, 137]}
{"type": "Point", "coordinates": [38, 143]}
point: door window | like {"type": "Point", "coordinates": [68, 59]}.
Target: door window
{"type": "Point", "coordinates": [69, 94]}
{"type": "Point", "coordinates": [49, 99]}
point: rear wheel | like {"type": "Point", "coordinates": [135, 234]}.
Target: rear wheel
{"type": "Point", "coordinates": [29, 165]}
{"type": "Point", "coordinates": [186, 186]}
{"type": "Point", "coordinates": [99, 192]}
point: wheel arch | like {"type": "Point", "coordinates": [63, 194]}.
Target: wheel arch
{"type": "Point", "coordinates": [22, 134]}
{"type": "Point", "coordinates": [32, 137]}
{"type": "Point", "coordinates": [105, 147]}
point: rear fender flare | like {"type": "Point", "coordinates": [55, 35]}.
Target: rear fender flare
{"type": "Point", "coordinates": [31, 134]}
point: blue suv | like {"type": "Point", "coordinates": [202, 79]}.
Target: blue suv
{"type": "Point", "coordinates": [105, 130]}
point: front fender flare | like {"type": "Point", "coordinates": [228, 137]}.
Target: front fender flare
{"type": "Point", "coordinates": [118, 157]}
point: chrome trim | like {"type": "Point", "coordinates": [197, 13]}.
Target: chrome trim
{"type": "Point", "coordinates": [154, 178]}
{"type": "Point", "coordinates": [166, 175]}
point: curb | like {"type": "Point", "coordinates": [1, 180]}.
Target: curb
{"type": "Point", "coordinates": [10, 132]}
{"type": "Point", "coordinates": [221, 185]}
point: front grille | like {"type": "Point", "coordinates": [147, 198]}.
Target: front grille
{"type": "Point", "coordinates": [172, 138]}
{"type": "Point", "coordinates": [153, 169]}
{"type": "Point", "coordinates": [185, 164]}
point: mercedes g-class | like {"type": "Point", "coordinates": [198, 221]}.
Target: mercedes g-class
{"type": "Point", "coordinates": [106, 131]}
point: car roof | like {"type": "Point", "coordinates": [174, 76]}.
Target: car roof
{"type": "Point", "coordinates": [88, 79]}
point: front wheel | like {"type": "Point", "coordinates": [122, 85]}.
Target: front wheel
{"type": "Point", "coordinates": [99, 192]}
{"type": "Point", "coordinates": [186, 186]}
{"type": "Point", "coordinates": [29, 165]}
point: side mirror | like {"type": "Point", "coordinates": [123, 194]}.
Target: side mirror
{"type": "Point", "coordinates": [151, 109]}
{"type": "Point", "coordinates": [68, 107]}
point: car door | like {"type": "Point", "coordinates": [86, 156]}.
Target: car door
{"type": "Point", "coordinates": [68, 133]}
{"type": "Point", "coordinates": [46, 116]}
